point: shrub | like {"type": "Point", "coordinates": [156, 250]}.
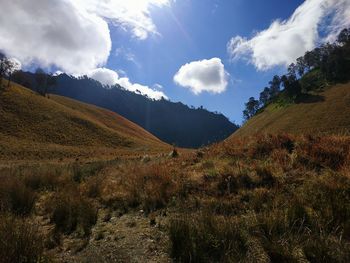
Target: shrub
{"type": "Point", "coordinates": [265, 175]}
{"type": "Point", "coordinates": [150, 186]}
{"type": "Point", "coordinates": [41, 182]}
{"type": "Point", "coordinates": [205, 238]}
{"type": "Point", "coordinates": [71, 212]}
{"type": "Point", "coordinates": [263, 145]}
{"type": "Point", "coordinates": [16, 197]}
{"type": "Point", "coordinates": [92, 187]}
{"type": "Point", "coordinates": [81, 172]}
{"type": "Point", "coordinates": [20, 241]}
{"type": "Point", "coordinates": [227, 184]}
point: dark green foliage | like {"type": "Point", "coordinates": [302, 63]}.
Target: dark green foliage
{"type": "Point", "coordinates": [275, 86]}
{"type": "Point", "coordinates": [313, 81]}
{"type": "Point", "coordinates": [264, 97]}
{"type": "Point", "coordinates": [329, 63]}
{"type": "Point", "coordinates": [252, 107]}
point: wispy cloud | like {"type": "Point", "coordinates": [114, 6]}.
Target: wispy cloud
{"type": "Point", "coordinates": [128, 55]}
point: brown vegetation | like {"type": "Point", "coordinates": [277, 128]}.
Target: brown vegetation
{"type": "Point", "coordinates": [324, 112]}
{"type": "Point", "coordinates": [268, 198]}
{"type": "Point", "coordinates": [57, 128]}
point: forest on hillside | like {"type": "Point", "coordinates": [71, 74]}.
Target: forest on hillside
{"type": "Point", "coordinates": [325, 65]}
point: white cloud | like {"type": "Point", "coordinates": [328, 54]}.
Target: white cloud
{"type": "Point", "coordinates": [142, 89]}
{"type": "Point", "coordinates": [204, 75]}
{"type": "Point", "coordinates": [286, 40]}
{"type": "Point", "coordinates": [72, 35]}
{"type": "Point", "coordinates": [105, 76]}
{"type": "Point", "coordinates": [157, 86]}
{"type": "Point", "coordinates": [53, 33]}
{"type": "Point", "coordinates": [131, 15]}
{"type": "Point", "coordinates": [111, 77]}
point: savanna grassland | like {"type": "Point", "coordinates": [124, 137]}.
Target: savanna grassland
{"type": "Point", "coordinates": [54, 128]}
{"type": "Point", "coordinates": [267, 198]}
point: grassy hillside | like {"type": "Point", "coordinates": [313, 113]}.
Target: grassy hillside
{"type": "Point", "coordinates": [34, 127]}
{"type": "Point", "coordinates": [174, 123]}
{"type": "Point", "coordinates": [326, 112]}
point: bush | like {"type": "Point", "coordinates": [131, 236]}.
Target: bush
{"type": "Point", "coordinates": [41, 182]}
{"type": "Point", "coordinates": [150, 186]}
{"type": "Point", "coordinates": [71, 212]}
{"type": "Point", "coordinates": [265, 144]}
{"type": "Point", "coordinates": [20, 241]}
{"type": "Point", "coordinates": [81, 172]}
{"type": "Point", "coordinates": [15, 197]}
{"type": "Point", "coordinates": [314, 80]}
{"type": "Point", "coordinates": [327, 152]}
{"type": "Point", "coordinates": [92, 187]}
{"type": "Point", "coordinates": [206, 239]}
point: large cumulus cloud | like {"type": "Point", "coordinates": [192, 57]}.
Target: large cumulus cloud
{"type": "Point", "coordinates": [286, 40]}
{"type": "Point", "coordinates": [204, 75]}
{"type": "Point", "coordinates": [53, 33]}
{"type": "Point", "coordinates": [72, 35]}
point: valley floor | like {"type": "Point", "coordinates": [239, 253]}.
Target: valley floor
{"type": "Point", "coordinates": [269, 198]}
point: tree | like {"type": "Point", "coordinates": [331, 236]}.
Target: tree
{"type": "Point", "coordinates": [264, 97]}
{"type": "Point", "coordinates": [301, 66]}
{"type": "Point", "coordinates": [312, 58]}
{"type": "Point", "coordinates": [23, 78]}
{"type": "Point", "coordinates": [251, 107]}
{"type": "Point", "coordinates": [275, 85]}
{"type": "Point", "coordinates": [344, 36]}
{"type": "Point", "coordinates": [291, 85]}
{"type": "Point", "coordinates": [7, 67]}
{"type": "Point", "coordinates": [44, 82]}
{"type": "Point", "coordinates": [12, 67]}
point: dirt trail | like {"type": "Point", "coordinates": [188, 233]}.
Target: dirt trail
{"type": "Point", "coordinates": [127, 238]}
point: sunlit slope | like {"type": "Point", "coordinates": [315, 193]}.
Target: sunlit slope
{"type": "Point", "coordinates": [57, 127]}
{"type": "Point", "coordinates": [327, 112]}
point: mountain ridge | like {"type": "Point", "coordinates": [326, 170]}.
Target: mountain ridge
{"type": "Point", "coordinates": [172, 122]}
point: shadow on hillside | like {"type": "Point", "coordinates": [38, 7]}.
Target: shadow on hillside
{"type": "Point", "coordinates": [310, 98]}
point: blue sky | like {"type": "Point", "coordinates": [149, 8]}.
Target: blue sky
{"type": "Point", "coordinates": [211, 53]}
{"type": "Point", "coordinates": [196, 30]}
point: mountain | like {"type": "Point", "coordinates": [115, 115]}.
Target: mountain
{"type": "Point", "coordinates": [325, 112]}
{"type": "Point", "coordinates": [174, 123]}
{"type": "Point", "coordinates": [37, 127]}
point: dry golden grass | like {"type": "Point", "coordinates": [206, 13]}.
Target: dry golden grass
{"type": "Point", "coordinates": [38, 128]}
{"type": "Point", "coordinates": [264, 198]}
{"type": "Point", "coordinates": [269, 198]}
{"type": "Point", "coordinates": [328, 114]}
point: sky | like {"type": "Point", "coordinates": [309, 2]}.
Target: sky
{"type": "Point", "coordinates": [210, 53]}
